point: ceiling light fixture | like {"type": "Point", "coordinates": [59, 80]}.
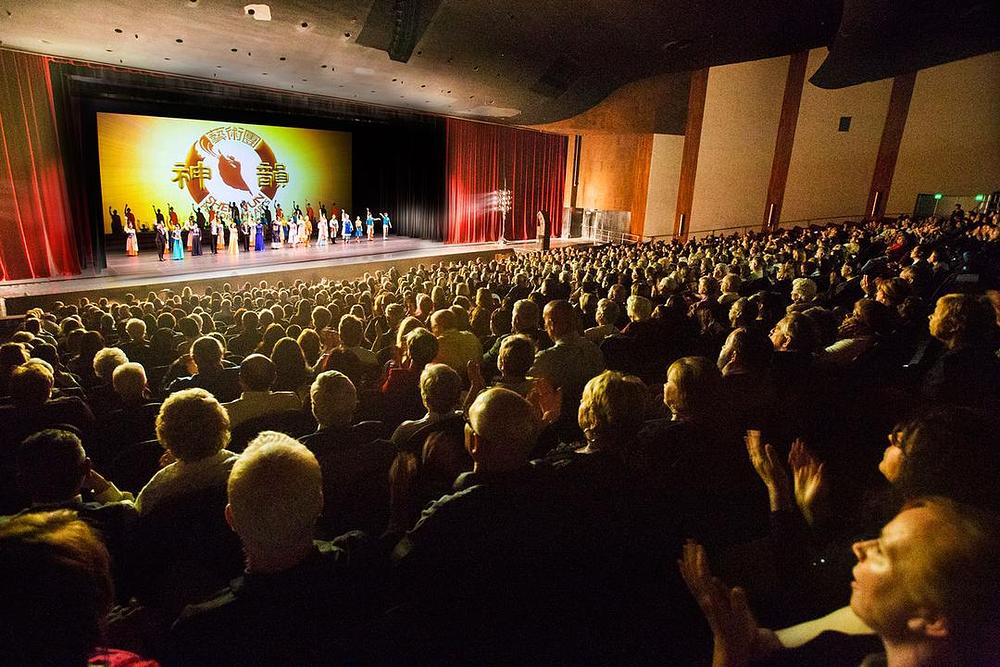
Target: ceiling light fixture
{"type": "Point", "coordinates": [258, 12]}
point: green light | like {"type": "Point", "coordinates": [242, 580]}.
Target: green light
{"type": "Point", "coordinates": [980, 197]}
{"type": "Point", "coordinates": [938, 195]}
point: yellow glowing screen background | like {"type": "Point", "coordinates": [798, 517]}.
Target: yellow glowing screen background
{"type": "Point", "coordinates": [141, 157]}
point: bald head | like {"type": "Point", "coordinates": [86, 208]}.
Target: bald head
{"type": "Point", "coordinates": [504, 430]}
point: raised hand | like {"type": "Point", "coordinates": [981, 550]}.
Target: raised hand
{"type": "Point", "coordinates": [811, 486]}
{"type": "Point", "coordinates": [546, 400]}
{"type": "Point", "coordinates": [765, 461]}
{"type": "Point", "coordinates": [737, 638]}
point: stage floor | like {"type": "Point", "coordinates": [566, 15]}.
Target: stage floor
{"type": "Point", "coordinates": [338, 261]}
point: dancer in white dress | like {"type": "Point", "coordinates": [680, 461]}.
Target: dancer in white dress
{"type": "Point", "coordinates": [321, 230]}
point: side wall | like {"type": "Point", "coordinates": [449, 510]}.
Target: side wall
{"type": "Point", "coordinates": [664, 177]}
{"type": "Point", "coordinates": [830, 172]}
{"type": "Point", "coordinates": [950, 144]}
{"type": "Point", "coordinates": [742, 106]}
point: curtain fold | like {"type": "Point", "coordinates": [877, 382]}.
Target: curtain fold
{"type": "Point", "coordinates": [36, 236]}
{"type": "Point", "coordinates": [481, 158]}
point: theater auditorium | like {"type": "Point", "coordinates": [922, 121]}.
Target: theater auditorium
{"type": "Point", "coordinates": [467, 332]}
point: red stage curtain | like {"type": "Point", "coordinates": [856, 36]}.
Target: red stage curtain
{"type": "Point", "coordinates": [36, 239]}
{"type": "Point", "coordinates": [479, 157]}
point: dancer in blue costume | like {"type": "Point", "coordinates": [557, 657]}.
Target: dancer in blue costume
{"type": "Point", "coordinates": [258, 244]}
{"type": "Point", "coordinates": [178, 250]}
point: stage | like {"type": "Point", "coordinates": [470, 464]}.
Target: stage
{"type": "Point", "coordinates": [341, 261]}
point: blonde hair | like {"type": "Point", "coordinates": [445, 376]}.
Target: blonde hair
{"type": "Point", "coordinates": [612, 406]}
{"type": "Point", "coordinates": [696, 382]}
{"type": "Point", "coordinates": [275, 492]}
{"type": "Point", "coordinates": [107, 360]}
{"type": "Point", "coordinates": [440, 387]}
{"type": "Point", "coordinates": [192, 425]}
{"type": "Point", "coordinates": [129, 380]}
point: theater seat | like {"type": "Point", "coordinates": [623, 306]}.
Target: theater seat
{"type": "Point", "coordinates": [295, 423]}
{"type": "Point", "coordinates": [183, 551]}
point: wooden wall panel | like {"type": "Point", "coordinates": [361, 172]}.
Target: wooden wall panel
{"type": "Point", "coordinates": [786, 136]}
{"type": "Point", "coordinates": [692, 142]}
{"type": "Point", "coordinates": [640, 182]}
{"type": "Point", "coordinates": [888, 149]}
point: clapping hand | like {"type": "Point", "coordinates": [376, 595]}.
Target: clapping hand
{"type": "Point", "coordinates": [765, 461]}
{"type": "Point", "coordinates": [737, 638]}
{"type": "Point", "coordinates": [810, 481]}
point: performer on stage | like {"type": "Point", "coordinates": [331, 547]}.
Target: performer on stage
{"type": "Point", "coordinates": [116, 222]}
{"type": "Point", "coordinates": [161, 238]}
{"type": "Point", "coordinates": [293, 230]}
{"type": "Point", "coordinates": [194, 233]}
{"type": "Point", "coordinates": [187, 234]}
{"type": "Point", "coordinates": [172, 216]}
{"type": "Point", "coordinates": [129, 217]}
{"type": "Point", "coordinates": [158, 214]}
{"type": "Point", "coordinates": [359, 231]}
{"type": "Point", "coordinates": [322, 229]}
{"type": "Point", "coordinates": [386, 225]}
{"type": "Point", "coordinates": [258, 243]}
{"type": "Point", "coordinates": [178, 243]}
{"type": "Point", "coordinates": [131, 242]}
{"type": "Point", "coordinates": [310, 211]}
{"type": "Point", "coordinates": [247, 230]}
{"type": "Point", "coordinates": [369, 224]}
{"type": "Point", "coordinates": [234, 239]}
{"type": "Point", "coordinates": [213, 231]}
{"type": "Point", "coordinates": [306, 229]}
{"type": "Point", "coordinates": [334, 229]}
{"type": "Point", "coordinates": [275, 235]}
{"type": "Point", "coordinates": [347, 229]}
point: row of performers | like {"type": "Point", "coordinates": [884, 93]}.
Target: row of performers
{"type": "Point", "coordinates": [232, 236]}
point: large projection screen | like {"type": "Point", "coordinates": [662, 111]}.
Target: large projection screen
{"type": "Point", "coordinates": [152, 162]}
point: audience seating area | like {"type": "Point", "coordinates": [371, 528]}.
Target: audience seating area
{"type": "Point", "coordinates": [617, 454]}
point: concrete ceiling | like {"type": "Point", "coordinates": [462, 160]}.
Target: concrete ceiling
{"type": "Point", "coordinates": [518, 61]}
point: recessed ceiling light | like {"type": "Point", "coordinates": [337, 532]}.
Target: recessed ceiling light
{"type": "Point", "coordinates": [394, 80]}
{"type": "Point", "coordinates": [166, 58]}
{"type": "Point", "coordinates": [233, 50]}
{"type": "Point", "coordinates": [322, 66]}
{"type": "Point", "coordinates": [263, 73]}
{"type": "Point", "coordinates": [304, 80]}
{"type": "Point", "coordinates": [109, 50]}
{"type": "Point", "coordinates": [304, 24]}
{"type": "Point", "coordinates": [218, 67]}
{"type": "Point", "coordinates": [119, 30]}
{"type": "Point", "coordinates": [423, 85]}
{"type": "Point", "coordinates": [179, 40]}
{"type": "Point", "coordinates": [136, 35]}
{"type": "Point", "coordinates": [282, 58]}
{"type": "Point", "coordinates": [258, 12]}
